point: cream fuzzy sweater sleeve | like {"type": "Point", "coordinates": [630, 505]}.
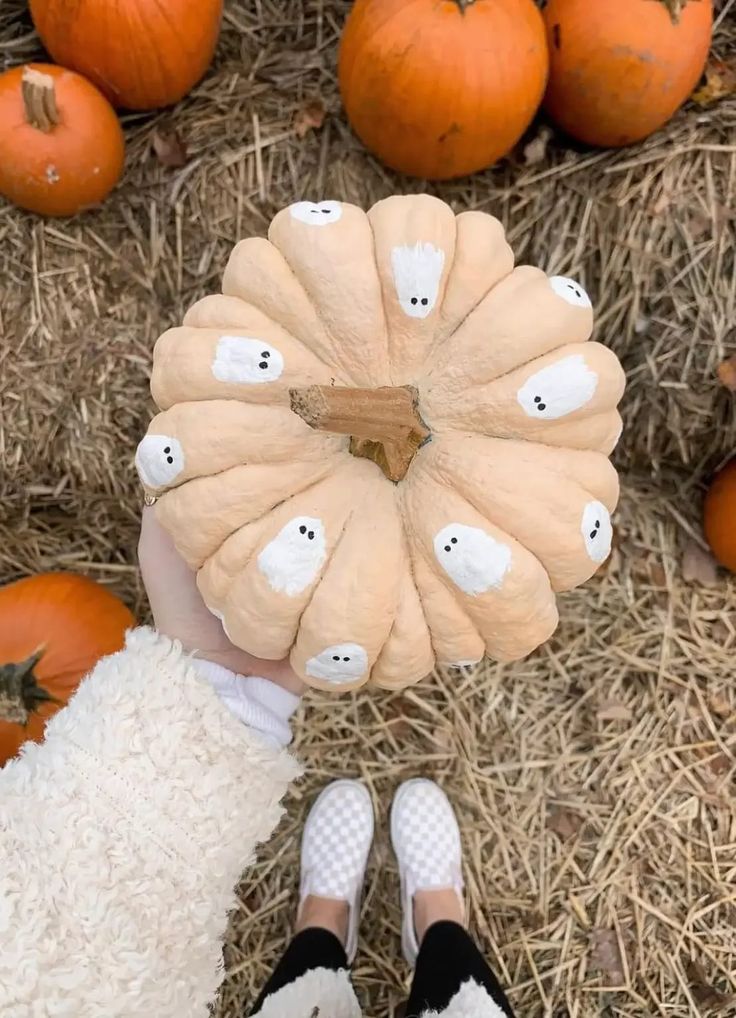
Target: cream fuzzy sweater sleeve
{"type": "Point", "coordinates": [121, 839]}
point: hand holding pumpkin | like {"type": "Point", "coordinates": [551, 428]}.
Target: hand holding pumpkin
{"type": "Point", "coordinates": [179, 611]}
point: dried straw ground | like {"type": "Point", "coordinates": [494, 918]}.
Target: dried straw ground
{"type": "Point", "coordinates": [595, 780]}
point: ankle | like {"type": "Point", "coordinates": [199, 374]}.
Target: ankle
{"type": "Point", "coordinates": [326, 914]}
{"type": "Point", "coordinates": [434, 907]}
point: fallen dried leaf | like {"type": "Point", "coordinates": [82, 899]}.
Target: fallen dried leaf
{"type": "Point", "coordinates": [720, 81]}
{"type": "Point", "coordinates": [657, 574]}
{"type": "Point", "coordinates": [720, 706]}
{"type": "Point", "coordinates": [606, 955]}
{"type": "Point", "coordinates": [698, 565]}
{"type": "Point", "coordinates": [720, 764]}
{"type": "Point", "coordinates": [613, 710]}
{"type": "Point", "coordinates": [564, 822]}
{"type": "Point", "coordinates": [535, 151]}
{"type": "Point", "coordinates": [169, 148]}
{"type": "Point", "coordinates": [704, 994]}
{"type": "Point", "coordinates": [727, 373]}
{"type": "Point", "coordinates": [309, 117]}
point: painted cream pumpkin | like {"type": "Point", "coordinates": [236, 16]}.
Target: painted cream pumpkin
{"type": "Point", "coordinates": [383, 446]}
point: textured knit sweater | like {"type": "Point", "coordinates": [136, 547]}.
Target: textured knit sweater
{"type": "Point", "coordinates": [122, 837]}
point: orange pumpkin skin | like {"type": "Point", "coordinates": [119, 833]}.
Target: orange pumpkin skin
{"type": "Point", "coordinates": [619, 69]}
{"type": "Point", "coordinates": [440, 88]}
{"type": "Point", "coordinates": [74, 164]}
{"type": "Point", "coordinates": [719, 516]}
{"type": "Point", "coordinates": [76, 620]}
{"type": "Point", "coordinates": [141, 53]}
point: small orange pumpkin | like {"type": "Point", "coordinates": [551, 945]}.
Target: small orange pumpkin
{"type": "Point", "coordinates": [619, 69]}
{"type": "Point", "coordinates": [441, 88]}
{"type": "Point", "coordinates": [719, 516]}
{"type": "Point", "coordinates": [61, 144]}
{"type": "Point", "coordinates": [53, 629]}
{"type": "Point", "coordinates": [140, 53]}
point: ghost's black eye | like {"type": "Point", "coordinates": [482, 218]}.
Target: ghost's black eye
{"type": "Point", "coordinates": [263, 365]}
{"type": "Point", "coordinates": [448, 548]}
{"type": "Point", "coordinates": [593, 533]}
{"type": "Point", "coordinates": [310, 535]}
{"type": "Point", "coordinates": [453, 540]}
{"type": "Point", "coordinates": [537, 399]}
{"type": "Point", "coordinates": [302, 529]}
{"type": "Point", "coordinates": [335, 657]}
{"type": "Point", "coordinates": [597, 524]}
{"type": "Point", "coordinates": [346, 659]}
{"type": "Point", "coordinates": [169, 459]}
{"type": "Point", "coordinates": [167, 449]}
{"type": "Point", "coordinates": [414, 300]}
{"type": "Point", "coordinates": [425, 301]}
{"type": "Point", "coordinates": [265, 354]}
{"type": "Point", "coordinates": [325, 212]}
{"type": "Point", "coordinates": [541, 406]}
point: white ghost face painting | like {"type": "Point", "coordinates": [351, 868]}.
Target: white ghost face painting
{"type": "Point", "coordinates": [339, 664]}
{"type": "Point", "coordinates": [292, 561]}
{"type": "Point", "coordinates": [417, 272]}
{"type": "Point", "coordinates": [570, 291]}
{"type": "Point", "coordinates": [159, 460]}
{"type": "Point", "coordinates": [316, 213]}
{"type": "Point", "coordinates": [245, 361]}
{"type": "Point", "coordinates": [597, 531]}
{"type": "Point", "coordinates": [558, 389]}
{"type": "Point", "coordinates": [474, 561]}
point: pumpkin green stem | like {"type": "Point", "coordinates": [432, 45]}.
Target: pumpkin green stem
{"type": "Point", "coordinates": [20, 693]}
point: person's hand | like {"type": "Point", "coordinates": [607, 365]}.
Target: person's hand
{"type": "Point", "coordinates": [180, 613]}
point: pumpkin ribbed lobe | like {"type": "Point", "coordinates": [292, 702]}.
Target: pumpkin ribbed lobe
{"type": "Point", "coordinates": [20, 692]}
{"type": "Point", "coordinates": [39, 99]}
{"type": "Point", "coordinates": [383, 423]}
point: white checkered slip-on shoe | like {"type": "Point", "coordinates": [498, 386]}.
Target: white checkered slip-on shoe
{"type": "Point", "coordinates": [336, 843]}
{"type": "Point", "coordinates": [426, 839]}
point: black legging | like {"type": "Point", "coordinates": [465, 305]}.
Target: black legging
{"type": "Point", "coordinates": [447, 958]}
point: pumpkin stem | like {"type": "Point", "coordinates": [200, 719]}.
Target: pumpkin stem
{"type": "Point", "coordinates": [464, 4]}
{"type": "Point", "coordinates": [674, 9]}
{"type": "Point", "coordinates": [20, 693]}
{"type": "Point", "coordinates": [39, 99]}
{"type": "Point", "coordinates": [384, 423]}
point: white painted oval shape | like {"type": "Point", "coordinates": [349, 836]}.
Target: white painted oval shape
{"type": "Point", "coordinates": [242, 360]}
{"type": "Point", "coordinates": [292, 561]}
{"type": "Point", "coordinates": [339, 664]}
{"type": "Point", "coordinates": [559, 389]}
{"type": "Point", "coordinates": [595, 526]}
{"type": "Point", "coordinates": [417, 272]}
{"type": "Point", "coordinates": [474, 561]}
{"type": "Point", "coordinates": [159, 459]}
{"type": "Point", "coordinates": [570, 291]}
{"type": "Point", "coordinates": [316, 213]}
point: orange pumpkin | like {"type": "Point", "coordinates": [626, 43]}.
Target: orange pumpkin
{"type": "Point", "coordinates": [53, 630]}
{"type": "Point", "coordinates": [619, 69]}
{"type": "Point", "coordinates": [141, 53]}
{"type": "Point", "coordinates": [719, 517]}
{"type": "Point", "coordinates": [441, 88]}
{"type": "Point", "coordinates": [61, 145]}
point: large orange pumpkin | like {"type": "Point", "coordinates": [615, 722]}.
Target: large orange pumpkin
{"type": "Point", "coordinates": [719, 517]}
{"type": "Point", "coordinates": [61, 145]}
{"type": "Point", "coordinates": [619, 69]}
{"type": "Point", "coordinates": [53, 630]}
{"type": "Point", "coordinates": [141, 53]}
{"type": "Point", "coordinates": [441, 88]}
